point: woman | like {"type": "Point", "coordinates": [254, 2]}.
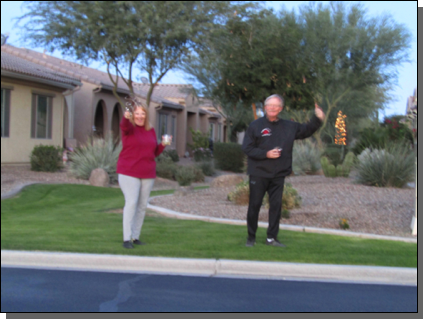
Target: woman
{"type": "Point", "coordinates": [136, 168]}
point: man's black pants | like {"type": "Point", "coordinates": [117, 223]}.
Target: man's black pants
{"type": "Point", "coordinates": [258, 188]}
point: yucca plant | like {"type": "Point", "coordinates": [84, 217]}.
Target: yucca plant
{"type": "Point", "coordinates": [390, 167]}
{"type": "Point", "coordinates": [96, 153]}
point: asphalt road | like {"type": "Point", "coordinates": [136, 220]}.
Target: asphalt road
{"type": "Point", "coordinates": [40, 290]}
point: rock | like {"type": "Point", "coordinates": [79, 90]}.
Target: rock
{"type": "Point", "coordinates": [99, 177]}
{"type": "Point", "coordinates": [226, 180]}
{"type": "Point", "coordinates": [183, 190]}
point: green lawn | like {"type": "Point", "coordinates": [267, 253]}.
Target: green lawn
{"type": "Point", "coordinates": [80, 218]}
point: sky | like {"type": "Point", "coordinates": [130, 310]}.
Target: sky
{"type": "Point", "coordinates": [403, 12]}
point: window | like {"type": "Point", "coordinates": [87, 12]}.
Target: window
{"type": "Point", "coordinates": [173, 128]}
{"type": "Point", "coordinates": [5, 112]}
{"type": "Point", "coordinates": [219, 132]}
{"type": "Point", "coordinates": [167, 125]}
{"type": "Point", "coordinates": [42, 116]}
{"type": "Point", "coordinates": [162, 125]}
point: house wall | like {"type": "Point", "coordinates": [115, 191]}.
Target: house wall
{"type": "Point", "coordinates": [84, 113]}
{"type": "Point", "coordinates": [17, 148]}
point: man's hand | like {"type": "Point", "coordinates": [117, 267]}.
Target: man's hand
{"type": "Point", "coordinates": [275, 153]}
{"type": "Point", "coordinates": [319, 112]}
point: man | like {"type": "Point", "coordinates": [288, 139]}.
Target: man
{"type": "Point", "coordinates": [268, 143]}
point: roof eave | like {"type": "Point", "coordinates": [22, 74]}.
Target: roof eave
{"type": "Point", "coordinates": [27, 77]}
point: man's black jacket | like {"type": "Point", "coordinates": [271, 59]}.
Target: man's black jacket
{"type": "Point", "coordinates": [263, 136]}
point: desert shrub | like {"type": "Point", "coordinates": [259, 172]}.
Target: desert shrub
{"type": "Point", "coordinates": [200, 146]}
{"type": "Point", "coordinates": [184, 175]}
{"type": "Point", "coordinates": [198, 174]}
{"type": "Point", "coordinates": [335, 153]}
{"type": "Point", "coordinates": [173, 154]}
{"type": "Point", "coordinates": [229, 157]}
{"type": "Point", "coordinates": [343, 223]}
{"type": "Point", "coordinates": [241, 194]}
{"type": "Point", "coordinates": [202, 154]}
{"type": "Point", "coordinates": [207, 168]}
{"type": "Point", "coordinates": [306, 157]}
{"type": "Point", "coordinates": [391, 130]}
{"type": "Point", "coordinates": [290, 198]}
{"type": "Point", "coordinates": [46, 158]}
{"type": "Point", "coordinates": [341, 170]}
{"type": "Point", "coordinates": [374, 138]}
{"type": "Point", "coordinates": [96, 153]}
{"type": "Point", "coordinates": [166, 170]}
{"type": "Point", "coordinates": [390, 167]}
{"type": "Point", "coordinates": [199, 139]}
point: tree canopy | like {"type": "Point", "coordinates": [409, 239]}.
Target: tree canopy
{"type": "Point", "coordinates": [333, 54]}
{"type": "Point", "coordinates": [153, 36]}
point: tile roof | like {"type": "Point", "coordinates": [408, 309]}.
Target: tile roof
{"type": "Point", "coordinates": [79, 71]}
{"type": "Point", "coordinates": [41, 65]}
{"type": "Point", "coordinates": [12, 63]}
{"type": "Point", "coordinates": [180, 91]}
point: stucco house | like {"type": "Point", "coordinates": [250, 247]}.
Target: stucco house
{"type": "Point", "coordinates": [94, 110]}
{"type": "Point", "coordinates": [36, 107]}
{"type": "Point", "coordinates": [198, 114]}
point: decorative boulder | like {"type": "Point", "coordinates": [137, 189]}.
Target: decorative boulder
{"type": "Point", "coordinates": [99, 177]}
{"type": "Point", "coordinates": [226, 180]}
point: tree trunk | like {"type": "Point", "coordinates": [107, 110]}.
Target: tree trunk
{"type": "Point", "coordinates": [254, 111]}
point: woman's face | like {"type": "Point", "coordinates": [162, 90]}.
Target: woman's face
{"type": "Point", "coordinates": [139, 116]}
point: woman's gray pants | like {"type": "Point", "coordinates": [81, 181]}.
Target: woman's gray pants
{"type": "Point", "coordinates": [136, 192]}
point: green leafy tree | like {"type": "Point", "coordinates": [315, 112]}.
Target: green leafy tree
{"type": "Point", "coordinates": [153, 36]}
{"type": "Point", "coordinates": [352, 56]}
{"type": "Point", "coordinates": [332, 54]}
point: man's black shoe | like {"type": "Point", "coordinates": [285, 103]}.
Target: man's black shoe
{"type": "Point", "coordinates": [274, 242]}
{"type": "Point", "coordinates": [127, 244]}
{"type": "Point", "coordinates": [250, 242]}
{"type": "Point", "coordinates": [138, 242]}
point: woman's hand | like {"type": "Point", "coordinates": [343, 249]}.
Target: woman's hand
{"type": "Point", "coordinates": [166, 139]}
{"type": "Point", "coordinates": [127, 115]}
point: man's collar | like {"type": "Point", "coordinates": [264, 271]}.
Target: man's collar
{"type": "Point", "coordinates": [275, 121]}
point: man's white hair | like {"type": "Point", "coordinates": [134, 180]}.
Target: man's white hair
{"type": "Point", "coordinates": [275, 96]}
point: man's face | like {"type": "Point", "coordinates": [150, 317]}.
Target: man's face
{"type": "Point", "coordinates": [273, 108]}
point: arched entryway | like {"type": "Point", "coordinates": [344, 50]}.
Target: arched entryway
{"type": "Point", "coordinates": [99, 119]}
{"type": "Point", "coordinates": [116, 118]}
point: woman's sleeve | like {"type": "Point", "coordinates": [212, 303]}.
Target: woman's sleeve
{"type": "Point", "coordinates": [159, 147]}
{"type": "Point", "coordinates": [126, 126]}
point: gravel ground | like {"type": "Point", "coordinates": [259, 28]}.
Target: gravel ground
{"type": "Point", "coordinates": [383, 211]}
{"type": "Point", "coordinates": [16, 175]}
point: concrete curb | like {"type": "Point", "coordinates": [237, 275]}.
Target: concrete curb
{"type": "Point", "coordinates": [211, 267]}
{"type": "Point", "coordinates": [216, 267]}
{"type": "Point", "coordinates": [17, 190]}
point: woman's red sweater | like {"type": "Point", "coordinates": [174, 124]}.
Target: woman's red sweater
{"type": "Point", "coordinates": [139, 150]}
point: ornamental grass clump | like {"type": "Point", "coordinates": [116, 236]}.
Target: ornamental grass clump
{"type": "Point", "coordinates": [306, 158]}
{"type": "Point", "coordinates": [390, 167]}
{"type": "Point", "coordinates": [96, 153]}
{"type": "Point", "coordinates": [206, 167]}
